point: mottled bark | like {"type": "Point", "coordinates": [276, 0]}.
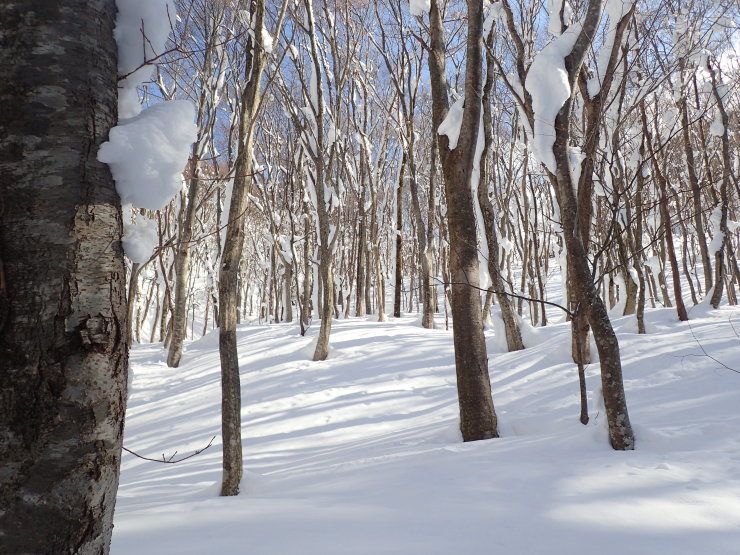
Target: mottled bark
{"type": "Point", "coordinates": [63, 344]}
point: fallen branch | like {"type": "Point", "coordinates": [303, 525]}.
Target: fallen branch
{"type": "Point", "coordinates": [171, 457]}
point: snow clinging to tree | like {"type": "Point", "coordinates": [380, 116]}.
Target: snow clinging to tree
{"type": "Point", "coordinates": [547, 82]}
{"type": "Point", "coordinates": [142, 28]}
{"type": "Point", "coordinates": [147, 153]}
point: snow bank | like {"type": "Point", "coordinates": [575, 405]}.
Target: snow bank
{"type": "Point", "coordinates": [137, 19]}
{"type": "Point", "coordinates": [362, 453]}
{"type": "Point", "coordinates": [147, 153]}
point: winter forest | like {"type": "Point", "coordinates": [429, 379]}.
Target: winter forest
{"type": "Point", "coordinates": [358, 237]}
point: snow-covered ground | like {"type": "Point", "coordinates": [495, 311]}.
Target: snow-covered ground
{"type": "Point", "coordinates": [360, 454]}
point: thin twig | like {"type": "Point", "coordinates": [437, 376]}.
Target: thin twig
{"type": "Point", "coordinates": [172, 456]}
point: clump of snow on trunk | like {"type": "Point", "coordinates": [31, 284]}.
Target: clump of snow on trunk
{"type": "Point", "coordinates": [139, 236]}
{"type": "Point", "coordinates": [142, 28]}
{"type": "Point", "coordinates": [547, 83]}
{"type": "Point", "coordinates": [419, 7]}
{"type": "Point", "coordinates": [147, 153]}
{"type": "Point", "coordinates": [451, 124]}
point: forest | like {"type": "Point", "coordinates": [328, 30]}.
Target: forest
{"type": "Point", "coordinates": [494, 179]}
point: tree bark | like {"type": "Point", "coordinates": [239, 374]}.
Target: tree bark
{"type": "Point", "coordinates": [581, 279]}
{"type": "Point", "coordinates": [399, 251]}
{"type": "Point", "coordinates": [228, 287]}
{"type": "Point", "coordinates": [511, 325]}
{"type": "Point", "coordinates": [477, 415]}
{"type": "Point", "coordinates": [63, 344]}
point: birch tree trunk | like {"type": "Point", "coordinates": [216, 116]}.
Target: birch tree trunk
{"type": "Point", "coordinates": [63, 344]}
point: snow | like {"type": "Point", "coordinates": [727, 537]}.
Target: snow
{"type": "Point", "coordinates": [139, 237]}
{"type": "Point", "coordinates": [450, 126]}
{"type": "Point", "coordinates": [419, 7]}
{"type": "Point", "coordinates": [267, 42]}
{"type": "Point", "coordinates": [717, 129]}
{"type": "Point", "coordinates": [493, 12]}
{"type": "Point", "coordinates": [615, 10]}
{"type": "Point", "coordinates": [147, 153]}
{"type": "Point", "coordinates": [136, 18]}
{"type": "Point", "coordinates": [553, 9]}
{"type": "Point", "coordinates": [547, 83]}
{"type": "Point", "coordinates": [361, 453]}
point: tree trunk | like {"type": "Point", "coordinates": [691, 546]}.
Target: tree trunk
{"type": "Point", "coordinates": [63, 343]}
{"type": "Point", "coordinates": [580, 278]}
{"type": "Point", "coordinates": [399, 230]}
{"type": "Point", "coordinates": [477, 415]}
{"type": "Point", "coordinates": [724, 195]}
{"type": "Point", "coordinates": [182, 269]}
{"type": "Point", "coordinates": [228, 287]}
{"type": "Point", "coordinates": [511, 325]}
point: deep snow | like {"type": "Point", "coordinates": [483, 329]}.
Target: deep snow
{"type": "Point", "coordinates": [360, 454]}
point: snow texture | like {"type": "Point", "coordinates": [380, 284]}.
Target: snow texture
{"type": "Point", "coordinates": [450, 126]}
{"type": "Point", "coordinates": [137, 19]}
{"type": "Point", "coordinates": [267, 42]}
{"type": "Point", "coordinates": [139, 237]}
{"type": "Point", "coordinates": [493, 12]}
{"type": "Point", "coordinates": [717, 129]}
{"type": "Point", "coordinates": [362, 454]}
{"type": "Point", "coordinates": [615, 10]}
{"type": "Point", "coordinates": [547, 83]}
{"type": "Point", "coordinates": [419, 7]}
{"type": "Point", "coordinates": [148, 152]}
{"type": "Point", "coordinates": [553, 9]}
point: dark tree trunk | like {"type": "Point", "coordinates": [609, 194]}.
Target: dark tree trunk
{"type": "Point", "coordinates": [399, 252]}
{"type": "Point", "coordinates": [511, 325]}
{"type": "Point", "coordinates": [63, 344]}
{"type": "Point", "coordinates": [477, 415]}
{"type": "Point", "coordinates": [228, 287]}
{"type": "Point", "coordinates": [579, 272]}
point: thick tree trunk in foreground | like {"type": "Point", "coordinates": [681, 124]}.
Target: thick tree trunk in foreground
{"type": "Point", "coordinates": [63, 345]}
{"type": "Point", "coordinates": [477, 415]}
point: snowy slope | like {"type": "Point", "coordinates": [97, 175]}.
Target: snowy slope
{"type": "Point", "coordinates": [360, 454]}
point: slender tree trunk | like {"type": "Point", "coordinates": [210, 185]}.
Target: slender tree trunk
{"type": "Point", "coordinates": [724, 194]}
{"type": "Point", "coordinates": [477, 415]}
{"type": "Point", "coordinates": [511, 325]}
{"type": "Point", "coordinates": [399, 245]}
{"type": "Point", "coordinates": [228, 287]}
{"type": "Point", "coordinates": [695, 192]}
{"type": "Point", "coordinates": [667, 226]}
{"type": "Point", "coordinates": [63, 327]}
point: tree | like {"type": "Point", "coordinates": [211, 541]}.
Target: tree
{"type": "Point", "coordinates": [477, 415]}
{"type": "Point", "coordinates": [63, 348]}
